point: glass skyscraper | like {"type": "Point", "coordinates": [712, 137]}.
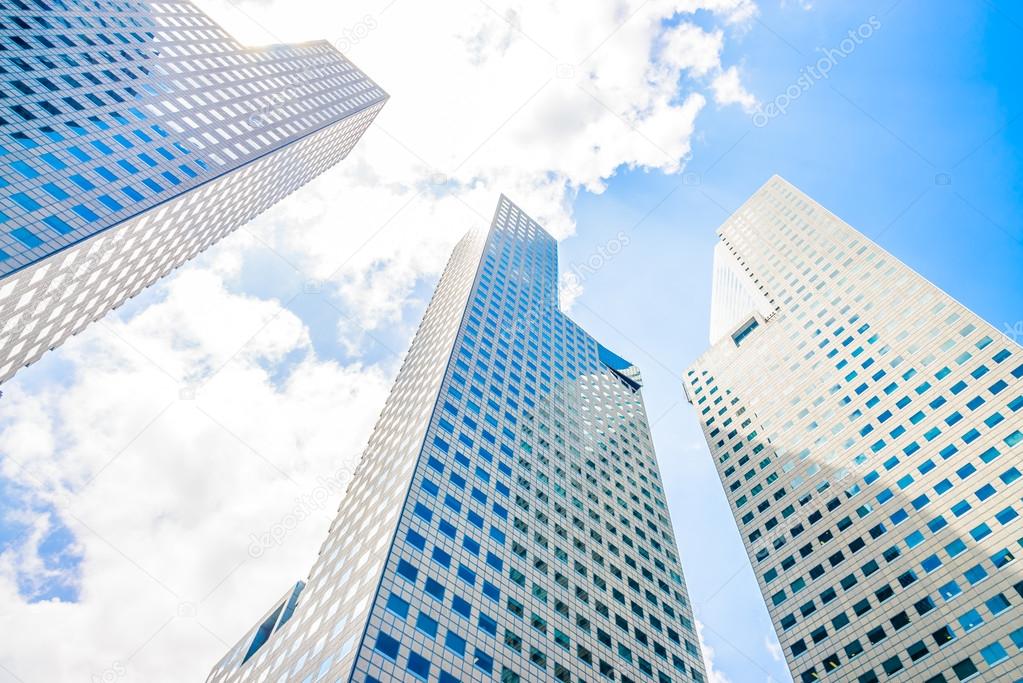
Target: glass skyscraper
{"type": "Point", "coordinates": [507, 521]}
{"type": "Point", "coordinates": [135, 134]}
{"type": "Point", "coordinates": [867, 431]}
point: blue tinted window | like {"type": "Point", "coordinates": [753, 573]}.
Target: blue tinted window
{"type": "Point", "coordinates": [58, 224]}
{"type": "Point", "coordinates": [26, 237]}
{"type": "Point", "coordinates": [109, 202]}
{"type": "Point", "coordinates": [461, 607]}
{"type": "Point", "coordinates": [950, 590]}
{"type": "Point", "coordinates": [434, 589]}
{"type": "Point", "coordinates": [975, 574]}
{"type": "Point", "coordinates": [132, 193]}
{"type": "Point", "coordinates": [971, 620]}
{"type": "Point", "coordinates": [426, 624]}
{"type": "Point", "coordinates": [407, 570]}
{"type": "Point", "coordinates": [24, 169]}
{"type": "Point", "coordinates": [488, 624]}
{"type": "Point", "coordinates": [1006, 515]}
{"type": "Point", "coordinates": [397, 605]}
{"type": "Point", "coordinates": [418, 666]}
{"type": "Point", "coordinates": [455, 643]}
{"type": "Point", "coordinates": [483, 661]}
{"type": "Point", "coordinates": [955, 547]}
{"type": "Point", "coordinates": [25, 202]}
{"type": "Point", "coordinates": [55, 191]}
{"type": "Point", "coordinates": [387, 646]}
{"type": "Point", "coordinates": [85, 213]}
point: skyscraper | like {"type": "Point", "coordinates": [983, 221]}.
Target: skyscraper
{"type": "Point", "coordinates": [507, 521]}
{"type": "Point", "coordinates": [866, 428]}
{"type": "Point", "coordinates": [135, 134]}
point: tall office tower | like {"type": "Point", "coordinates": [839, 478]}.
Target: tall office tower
{"type": "Point", "coordinates": [866, 430]}
{"type": "Point", "coordinates": [135, 134]}
{"type": "Point", "coordinates": [507, 521]}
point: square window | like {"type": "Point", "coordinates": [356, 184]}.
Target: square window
{"type": "Point", "coordinates": [955, 547]}
{"type": "Point", "coordinates": [455, 643]}
{"type": "Point", "coordinates": [975, 574]}
{"type": "Point", "coordinates": [950, 590]}
{"type": "Point", "coordinates": [483, 661]}
{"type": "Point", "coordinates": [997, 604]}
{"type": "Point", "coordinates": [965, 669]}
{"type": "Point", "coordinates": [426, 624]}
{"type": "Point", "coordinates": [924, 605]}
{"type": "Point", "coordinates": [900, 620]}
{"type": "Point", "coordinates": [892, 666]}
{"type": "Point", "coordinates": [418, 666]}
{"type": "Point", "coordinates": [943, 635]}
{"type": "Point", "coordinates": [994, 653]}
{"type": "Point", "coordinates": [971, 620]}
{"type": "Point", "coordinates": [397, 606]}
{"type": "Point", "coordinates": [917, 650]}
{"type": "Point", "coordinates": [407, 571]}
{"type": "Point", "coordinates": [387, 646]}
{"type": "Point", "coordinates": [434, 589]}
{"type": "Point", "coordinates": [1017, 638]}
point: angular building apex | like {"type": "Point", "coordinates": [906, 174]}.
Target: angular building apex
{"type": "Point", "coordinates": [861, 398]}
{"type": "Point", "coordinates": [506, 202]}
{"type": "Point", "coordinates": [452, 523]}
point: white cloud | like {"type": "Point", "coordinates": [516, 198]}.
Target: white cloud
{"type": "Point", "coordinates": [728, 89]}
{"type": "Point", "coordinates": [687, 46]}
{"type": "Point", "coordinates": [162, 491]}
{"type": "Point", "coordinates": [570, 288]}
{"type": "Point", "coordinates": [714, 675]}
{"type": "Point", "coordinates": [773, 647]}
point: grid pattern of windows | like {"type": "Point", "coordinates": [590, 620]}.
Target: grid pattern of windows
{"type": "Point", "coordinates": [114, 115]}
{"type": "Point", "coordinates": [507, 521]}
{"type": "Point", "coordinates": [867, 436]}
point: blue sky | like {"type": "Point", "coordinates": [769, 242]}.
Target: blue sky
{"type": "Point", "coordinates": [928, 93]}
{"type": "Point", "coordinates": [117, 486]}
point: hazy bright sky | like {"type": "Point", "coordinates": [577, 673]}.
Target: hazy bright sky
{"type": "Point", "coordinates": [141, 462]}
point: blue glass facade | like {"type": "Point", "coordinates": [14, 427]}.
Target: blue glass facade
{"type": "Point", "coordinates": [530, 539]}
{"type": "Point", "coordinates": [112, 113]}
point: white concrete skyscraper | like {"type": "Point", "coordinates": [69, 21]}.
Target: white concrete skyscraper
{"type": "Point", "coordinates": [507, 521]}
{"type": "Point", "coordinates": [135, 134]}
{"type": "Point", "coordinates": [866, 428]}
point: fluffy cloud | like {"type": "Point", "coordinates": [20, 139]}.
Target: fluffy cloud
{"type": "Point", "coordinates": [714, 675]}
{"type": "Point", "coordinates": [174, 450]}
{"type": "Point", "coordinates": [536, 100]}
{"type": "Point", "coordinates": [152, 454]}
{"type": "Point", "coordinates": [728, 89]}
{"type": "Point", "coordinates": [773, 648]}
